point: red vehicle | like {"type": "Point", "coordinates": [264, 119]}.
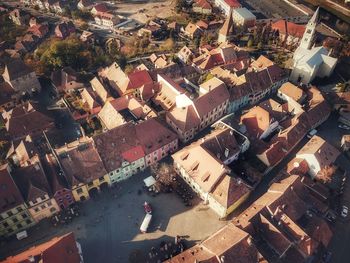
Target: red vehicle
{"type": "Point", "coordinates": [147, 207]}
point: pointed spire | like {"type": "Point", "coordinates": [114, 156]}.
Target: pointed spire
{"type": "Point", "coordinates": [315, 16]}
{"type": "Point", "coordinates": [227, 29]}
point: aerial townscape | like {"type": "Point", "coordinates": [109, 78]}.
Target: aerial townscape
{"type": "Point", "coordinates": [175, 131]}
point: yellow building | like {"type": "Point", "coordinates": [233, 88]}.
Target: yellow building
{"type": "Point", "coordinates": [83, 169]}
{"type": "Point", "coordinates": [14, 216]}
{"type": "Point", "coordinates": [36, 190]}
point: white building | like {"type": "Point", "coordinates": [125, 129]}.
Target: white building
{"type": "Point", "coordinates": [242, 17]}
{"type": "Point", "coordinates": [227, 5]}
{"type": "Point", "coordinates": [311, 62]}
{"type": "Point", "coordinates": [318, 154]}
{"type": "Point", "coordinates": [106, 19]}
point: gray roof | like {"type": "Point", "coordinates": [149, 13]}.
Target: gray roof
{"type": "Point", "coordinates": [16, 68]}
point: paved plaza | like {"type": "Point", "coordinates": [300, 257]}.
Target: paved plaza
{"type": "Point", "coordinates": [108, 227]}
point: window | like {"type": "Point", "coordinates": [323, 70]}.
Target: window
{"type": "Point", "coordinates": [28, 221]}
{"type": "Point", "coordinates": [10, 213]}
{"type": "Point", "coordinates": [43, 206]}
{"type": "Point", "coordinates": [19, 209]}
{"type": "Point", "coordinates": [90, 184]}
{"type": "Point", "coordinates": [36, 209]}
{"type": "Point", "coordinates": [19, 225]}
{"type": "Point", "coordinates": [14, 220]}
{"type": "Point", "coordinates": [52, 209]}
{"type": "Point", "coordinates": [5, 224]}
{"type": "Point", "coordinates": [49, 203]}
{"type": "Point", "coordinates": [24, 216]}
{"type": "Point", "coordinates": [79, 191]}
{"type": "Point", "coordinates": [10, 230]}
{"type": "Point", "coordinates": [101, 179]}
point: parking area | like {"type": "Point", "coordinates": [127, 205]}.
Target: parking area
{"type": "Point", "coordinates": [108, 225]}
{"type": "Point", "coordinates": [272, 8]}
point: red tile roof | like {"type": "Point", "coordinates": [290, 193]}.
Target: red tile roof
{"type": "Point", "coordinates": [133, 154]}
{"type": "Point", "coordinates": [100, 8]}
{"type": "Point", "coordinates": [57, 250]}
{"type": "Point", "coordinates": [153, 135]}
{"type": "Point", "coordinates": [10, 196]}
{"type": "Point", "coordinates": [289, 28]}
{"type": "Point", "coordinates": [26, 119]}
{"type": "Point", "coordinates": [81, 163]}
{"type": "Point", "coordinates": [233, 3]}
{"type": "Point", "coordinates": [203, 4]}
{"type": "Point", "coordinates": [32, 181]}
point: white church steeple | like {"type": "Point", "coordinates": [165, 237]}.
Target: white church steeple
{"type": "Point", "coordinates": [309, 34]}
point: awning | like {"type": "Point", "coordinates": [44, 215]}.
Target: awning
{"type": "Point", "coordinates": [149, 181]}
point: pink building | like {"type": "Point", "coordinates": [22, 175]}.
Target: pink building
{"type": "Point", "coordinates": [156, 139]}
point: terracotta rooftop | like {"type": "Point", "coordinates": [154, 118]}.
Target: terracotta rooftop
{"type": "Point", "coordinates": [229, 243]}
{"type": "Point", "coordinates": [26, 119]}
{"type": "Point", "coordinates": [325, 153]}
{"type": "Point", "coordinates": [10, 196]}
{"type": "Point", "coordinates": [81, 162]}
{"type": "Point", "coordinates": [32, 181]}
{"type": "Point", "coordinates": [261, 63]}
{"type": "Point", "coordinates": [153, 135]}
{"type": "Point", "coordinates": [233, 3]}
{"type": "Point", "coordinates": [292, 91]}
{"type": "Point", "coordinates": [257, 120]}
{"type": "Point", "coordinates": [112, 144]}
{"type": "Point", "coordinates": [58, 249]}
{"type": "Point", "coordinates": [289, 28]}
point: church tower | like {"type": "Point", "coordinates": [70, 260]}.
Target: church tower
{"type": "Point", "coordinates": [309, 34]}
{"type": "Point", "coordinates": [227, 30]}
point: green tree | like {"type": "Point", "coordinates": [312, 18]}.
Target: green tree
{"type": "Point", "coordinates": [250, 42]}
{"type": "Point", "coordinates": [68, 52]}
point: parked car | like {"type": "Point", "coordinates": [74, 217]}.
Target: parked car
{"type": "Point", "coordinates": [311, 133]}
{"type": "Point", "coordinates": [344, 211]}
{"type": "Point", "coordinates": [343, 126]}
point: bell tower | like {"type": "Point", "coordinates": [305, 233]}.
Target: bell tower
{"type": "Point", "coordinates": [309, 34]}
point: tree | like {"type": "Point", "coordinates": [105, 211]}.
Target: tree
{"type": "Point", "coordinates": [250, 42]}
{"type": "Point", "coordinates": [326, 173]}
{"type": "Point", "coordinates": [180, 4]}
{"type": "Point", "coordinates": [67, 52]}
{"type": "Point", "coordinates": [168, 44]}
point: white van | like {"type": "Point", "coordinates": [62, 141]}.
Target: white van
{"type": "Point", "coordinates": [145, 223]}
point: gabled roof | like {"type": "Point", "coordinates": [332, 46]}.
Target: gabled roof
{"type": "Point", "coordinates": [228, 243]}
{"type": "Point", "coordinates": [10, 196]}
{"type": "Point", "coordinates": [113, 144]}
{"type": "Point", "coordinates": [153, 135]}
{"type": "Point", "coordinates": [25, 119]}
{"type": "Point", "coordinates": [81, 163]}
{"type": "Point", "coordinates": [58, 249]}
{"type": "Point", "coordinates": [257, 120]}
{"type": "Point", "coordinates": [32, 180]}
{"type": "Point", "coordinates": [15, 69]}
{"type": "Point", "coordinates": [289, 28]}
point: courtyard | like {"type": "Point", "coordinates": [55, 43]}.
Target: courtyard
{"type": "Point", "coordinates": [108, 225]}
